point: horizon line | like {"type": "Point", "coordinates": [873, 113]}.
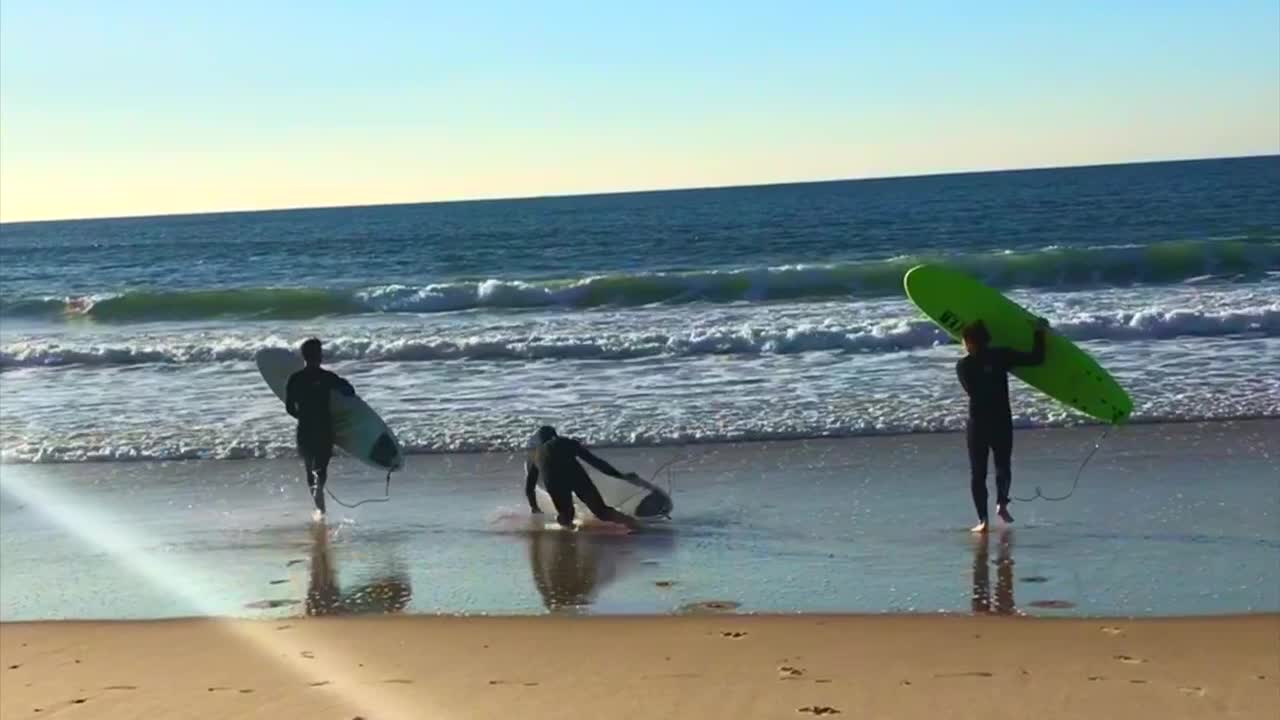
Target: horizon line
{"type": "Point", "coordinates": [639, 191]}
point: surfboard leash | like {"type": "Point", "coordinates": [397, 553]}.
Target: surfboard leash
{"type": "Point", "coordinates": [1079, 471]}
{"type": "Point", "coordinates": [384, 498]}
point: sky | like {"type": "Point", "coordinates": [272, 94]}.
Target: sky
{"type": "Point", "coordinates": [149, 107]}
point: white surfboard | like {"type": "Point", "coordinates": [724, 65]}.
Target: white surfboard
{"type": "Point", "coordinates": [357, 429]}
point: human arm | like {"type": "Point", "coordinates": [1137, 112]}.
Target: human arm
{"type": "Point", "coordinates": [531, 485]}
{"type": "Point", "coordinates": [1015, 358]}
{"type": "Point", "coordinates": [962, 375]}
{"type": "Point", "coordinates": [291, 396]}
{"type": "Point", "coordinates": [582, 452]}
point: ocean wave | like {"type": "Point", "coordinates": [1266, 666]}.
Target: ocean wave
{"type": "Point", "coordinates": [1192, 261]}
{"type": "Point", "coordinates": [739, 339]}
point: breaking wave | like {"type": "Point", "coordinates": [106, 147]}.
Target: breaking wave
{"type": "Point", "coordinates": [1055, 267]}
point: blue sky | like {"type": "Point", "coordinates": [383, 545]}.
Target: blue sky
{"type": "Point", "coordinates": [151, 107]}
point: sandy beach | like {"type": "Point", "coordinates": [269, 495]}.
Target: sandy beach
{"type": "Point", "coordinates": [709, 666]}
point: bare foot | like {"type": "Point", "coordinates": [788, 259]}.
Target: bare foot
{"type": "Point", "coordinates": [979, 528]}
{"type": "Point", "coordinates": [1003, 512]}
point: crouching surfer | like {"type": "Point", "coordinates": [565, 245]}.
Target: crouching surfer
{"type": "Point", "coordinates": [554, 460]}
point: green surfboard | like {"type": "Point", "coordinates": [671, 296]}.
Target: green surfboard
{"type": "Point", "coordinates": [1069, 375]}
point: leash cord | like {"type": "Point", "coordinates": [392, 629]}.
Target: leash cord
{"type": "Point", "coordinates": [1096, 445]}
{"type": "Point", "coordinates": [384, 498]}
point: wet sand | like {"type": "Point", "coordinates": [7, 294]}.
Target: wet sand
{"type": "Point", "coordinates": [694, 666]}
{"type": "Point", "coordinates": [1168, 520]}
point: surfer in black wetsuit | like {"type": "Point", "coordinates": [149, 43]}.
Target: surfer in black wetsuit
{"type": "Point", "coordinates": [984, 375]}
{"type": "Point", "coordinates": [306, 398]}
{"type": "Point", "coordinates": [555, 460]}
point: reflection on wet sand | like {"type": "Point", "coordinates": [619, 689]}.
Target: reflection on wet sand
{"type": "Point", "coordinates": [389, 593]}
{"type": "Point", "coordinates": [570, 568]}
{"type": "Point", "coordinates": [983, 601]}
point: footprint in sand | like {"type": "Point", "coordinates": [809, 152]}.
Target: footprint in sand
{"type": "Point", "coordinates": [1096, 678]}
{"type": "Point", "coordinates": [971, 673]}
{"type": "Point", "coordinates": [14, 667]}
{"type": "Point", "coordinates": [308, 654]}
{"type": "Point", "coordinates": [1129, 660]}
{"type": "Point", "coordinates": [709, 606]}
{"type": "Point", "coordinates": [218, 689]}
{"type": "Point", "coordinates": [79, 701]}
{"type": "Point", "coordinates": [734, 634]}
{"type": "Point", "coordinates": [1112, 630]}
{"type": "Point", "coordinates": [819, 710]}
{"type": "Point", "coordinates": [283, 627]}
{"type": "Point", "coordinates": [245, 691]}
{"type": "Point", "coordinates": [121, 687]}
{"type": "Point", "coordinates": [1138, 682]}
{"type": "Point", "coordinates": [1192, 690]}
{"type": "Point", "coordinates": [905, 683]}
{"type": "Point", "coordinates": [787, 672]}
{"type": "Point", "coordinates": [398, 681]}
{"type": "Point", "coordinates": [319, 683]}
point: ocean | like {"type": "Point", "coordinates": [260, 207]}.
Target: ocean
{"type": "Point", "coordinates": [648, 318]}
{"type": "Point", "coordinates": [756, 337]}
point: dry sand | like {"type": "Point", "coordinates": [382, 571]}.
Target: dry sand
{"type": "Point", "coordinates": [699, 666]}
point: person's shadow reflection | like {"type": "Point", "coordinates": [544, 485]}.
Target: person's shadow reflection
{"type": "Point", "coordinates": [571, 568]}
{"type": "Point", "coordinates": [388, 593]}
{"type": "Point", "coordinates": [984, 603]}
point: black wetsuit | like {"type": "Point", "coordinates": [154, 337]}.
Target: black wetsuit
{"type": "Point", "coordinates": [985, 377]}
{"type": "Point", "coordinates": [556, 462]}
{"type": "Point", "coordinates": [307, 399]}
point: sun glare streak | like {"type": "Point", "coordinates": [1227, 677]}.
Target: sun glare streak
{"type": "Point", "coordinates": [97, 530]}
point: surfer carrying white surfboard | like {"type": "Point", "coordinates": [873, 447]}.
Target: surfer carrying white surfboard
{"type": "Point", "coordinates": [554, 459]}
{"type": "Point", "coordinates": [307, 399]}
{"type": "Point", "coordinates": [984, 375]}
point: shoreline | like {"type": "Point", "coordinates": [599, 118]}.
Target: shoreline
{"type": "Point", "coordinates": [706, 445]}
{"type": "Point", "coordinates": [696, 666]}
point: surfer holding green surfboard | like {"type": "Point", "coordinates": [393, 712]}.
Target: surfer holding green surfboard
{"type": "Point", "coordinates": [988, 322]}
{"type": "Point", "coordinates": [984, 375]}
